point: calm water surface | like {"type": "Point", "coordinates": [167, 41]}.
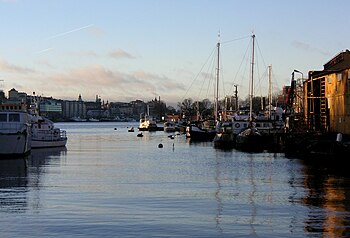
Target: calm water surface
{"type": "Point", "coordinates": [108, 182]}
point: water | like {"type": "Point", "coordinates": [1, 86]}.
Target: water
{"type": "Point", "coordinates": [108, 182]}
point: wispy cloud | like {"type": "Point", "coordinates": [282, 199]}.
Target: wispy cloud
{"type": "Point", "coordinates": [96, 79]}
{"type": "Point", "coordinates": [11, 68]}
{"type": "Point", "coordinates": [307, 47]}
{"type": "Point", "coordinates": [117, 54]}
{"type": "Point", "coordinates": [86, 53]}
{"type": "Point", "coordinates": [96, 31]}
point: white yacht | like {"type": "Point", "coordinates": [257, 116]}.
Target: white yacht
{"type": "Point", "coordinates": [15, 131]}
{"type": "Point", "coordinates": [147, 123]}
{"type": "Point", "coordinates": [44, 132]}
{"type": "Point", "coordinates": [267, 122]}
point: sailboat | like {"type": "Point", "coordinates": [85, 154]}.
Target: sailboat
{"type": "Point", "coordinates": [206, 130]}
{"type": "Point", "coordinates": [224, 137]}
{"type": "Point", "coordinates": [250, 139]}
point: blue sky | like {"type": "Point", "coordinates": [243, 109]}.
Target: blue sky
{"type": "Point", "coordinates": [124, 50]}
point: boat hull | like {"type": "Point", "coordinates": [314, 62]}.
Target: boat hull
{"type": "Point", "coordinates": [250, 140]}
{"type": "Point", "coordinates": [15, 144]}
{"type": "Point", "coordinates": [154, 128]}
{"type": "Point", "coordinates": [224, 140]}
{"type": "Point", "coordinates": [169, 129]}
{"type": "Point", "coordinates": [197, 134]}
{"type": "Point", "coordinates": [48, 144]}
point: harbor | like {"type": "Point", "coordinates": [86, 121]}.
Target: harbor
{"type": "Point", "coordinates": [108, 182]}
{"type": "Point", "coordinates": [174, 119]}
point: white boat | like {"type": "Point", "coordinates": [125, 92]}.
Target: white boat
{"type": "Point", "coordinates": [147, 123]}
{"type": "Point", "coordinates": [15, 133]}
{"type": "Point", "coordinates": [268, 122]}
{"type": "Point", "coordinates": [169, 126]}
{"type": "Point", "coordinates": [44, 132]}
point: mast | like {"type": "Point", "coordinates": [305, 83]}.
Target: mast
{"type": "Point", "coordinates": [236, 97]}
{"type": "Point", "coordinates": [217, 81]}
{"type": "Point", "coordinates": [270, 91]}
{"type": "Point", "coordinates": [251, 84]}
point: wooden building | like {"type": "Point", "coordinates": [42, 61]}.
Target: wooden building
{"type": "Point", "coordinates": [326, 96]}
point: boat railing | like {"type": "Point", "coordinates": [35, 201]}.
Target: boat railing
{"type": "Point", "coordinates": [63, 134]}
{"type": "Point", "coordinates": [51, 135]}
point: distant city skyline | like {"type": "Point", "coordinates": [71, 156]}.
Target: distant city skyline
{"type": "Point", "coordinates": [127, 50]}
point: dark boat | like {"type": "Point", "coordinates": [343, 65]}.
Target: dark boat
{"type": "Point", "coordinates": [225, 137]}
{"type": "Point", "coordinates": [140, 134]}
{"type": "Point", "coordinates": [200, 132]}
{"type": "Point", "coordinates": [250, 140]}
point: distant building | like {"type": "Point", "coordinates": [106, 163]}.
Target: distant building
{"type": "Point", "coordinates": [2, 96]}
{"type": "Point", "coordinates": [51, 108]}
{"type": "Point", "coordinates": [327, 96]}
{"type": "Point", "coordinates": [14, 95]}
{"type": "Point", "coordinates": [73, 109]}
{"type": "Point", "coordinates": [94, 108]}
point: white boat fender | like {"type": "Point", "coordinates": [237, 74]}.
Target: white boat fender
{"type": "Point", "coordinates": [160, 145]}
{"type": "Point", "coordinates": [339, 137]}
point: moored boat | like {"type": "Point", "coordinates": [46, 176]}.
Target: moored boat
{"type": "Point", "coordinates": [147, 123]}
{"type": "Point", "coordinates": [201, 131]}
{"type": "Point", "coordinates": [15, 133]}
{"type": "Point", "coordinates": [250, 140]}
{"type": "Point", "coordinates": [169, 126]}
{"type": "Point", "coordinates": [225, 138]}
{"type": "Point", "coordinates": [44, 133]}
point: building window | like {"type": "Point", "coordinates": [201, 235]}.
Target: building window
{"type": "Point", "coordinates": [329, 79]}
{"type": "Point", "coordinates": [339, 76]}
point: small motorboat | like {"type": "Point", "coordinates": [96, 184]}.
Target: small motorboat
{"type": "Point", "coordinates": [131, 129]}
{"type": "Point", "coordinates": [140, 135]}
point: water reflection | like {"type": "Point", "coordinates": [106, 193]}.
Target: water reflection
{"type": "Point", "coordinates": [13, 185]}
{"type": "Point", "coordinates": [19, 176]}
{"type": "Point", "coordinates": [328, 198]}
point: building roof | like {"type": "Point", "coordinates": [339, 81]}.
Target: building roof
{"type": "Point", "coordinates": [338, 63]}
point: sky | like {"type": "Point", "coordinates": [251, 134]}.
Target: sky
{"type": "Point", "coordinates": [123, 50]}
